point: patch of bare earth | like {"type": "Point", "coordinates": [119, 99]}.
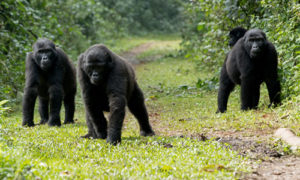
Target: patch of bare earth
{"type": "Point", "coordinates": [274, 164]}
{"type": "Point", "coordinates": [253, 144]}
{"type": "Point", "coordinates": [281, 168]}
{"type": "Point", "coordinates": [132, 54]}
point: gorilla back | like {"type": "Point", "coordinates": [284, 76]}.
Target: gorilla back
{"type": "Point", "coordinates": [108, 84]}
{"type": "Point", "coordinates": [51, 76]}
{"type": "Point", "coordinates": [235, 34]}
{"type": "Point", "coordinates": [252, 60]}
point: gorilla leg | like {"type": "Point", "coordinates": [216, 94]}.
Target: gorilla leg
{"type": "Point", "coordinates": [99, 124]}
{"type": "Point", "coordinates": [117, 113]}
{"type": "Point", "coordinates": [273, 86]}
{"type": "Point", "coordinates": [44, 109]}
{"type": "Point", "coordinates": [256, 95]}
{"type": "Point", "coordinates": [226, 86]}
{"type": "Point", "coordinates": [96, 121]}
{"type": "Point", "coordinates": [91, 130]}
{"type": "Point", "coordinates": [69, 103]}
{"type": "Point", "coordinates": [30, 95]}
{"type": "Point", "coordinates": [137, 107]}
{"type": "Point", "coordinates": [248, 87]}
{"type": "Point", "coordinates": [55, 94]}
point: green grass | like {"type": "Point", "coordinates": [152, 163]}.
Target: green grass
{"type": "Point", "coordinates": [193, 110]}
{"type": "Point", "coordinates": [57, 153]}
{"type": "Point", "coordinates": [127, 43]}
{"type": "Point", "coordinates": [175, 108]}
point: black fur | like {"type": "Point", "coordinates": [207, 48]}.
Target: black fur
{"type": "Point", "coordinates": [235, 34]}
{"type": "Point", "coordinates": [108, 84]}
{"type": "Point", "coordinates": [252, 60]}
{"type": "Point", "coordinates": [51, 76]}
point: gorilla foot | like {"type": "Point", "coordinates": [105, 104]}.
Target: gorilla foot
{"type": "Point", "coordinates": [43, 121]}
{"type": "Point", "coordinates": [220, 111]}
{"type": "Point", "coordinates": [54, 122]}
{"type": "Point", "coordinates": [101, 136]}
{"type": "Point", "coordinates": [27, 124]}
{"type": "Point", "coordinates": [147, 133]}
{"type": "Point", "coordinates": [88, 135]}
{"type": "Point", "coordinates": [69, 121]}
{"type": "Point", "coordinates": [113, 140]}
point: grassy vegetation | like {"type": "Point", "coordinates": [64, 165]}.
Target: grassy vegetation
{"type": "Point", "coordinates": [170, 83]}
{"type": "Point", "coordinates": [176, 107]}
{"type": "Point", "coordinates": [129, 42]}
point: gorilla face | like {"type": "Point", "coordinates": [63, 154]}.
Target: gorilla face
{"type": "Point", "coordinates": [45, 54]}
{"type": "Point", "coordinates": [254, 42]}
{"type": "Point", "coordinates": [97, 64]}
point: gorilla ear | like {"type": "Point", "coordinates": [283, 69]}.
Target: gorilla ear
{"type": "Point", "coordinates": [109, 59]}
{"type": "Point", "coordinates": [81, 57]}
{"type": "Point", "coordinates": [264, 35]}
{"type": "Point", "coordinates": [55, 52]}
{"type": "Point", "coordinates": [244, 38]}
{"type": "Point", "coordinates": [81, 60]}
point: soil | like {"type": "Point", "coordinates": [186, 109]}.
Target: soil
{"type": "Point", "coordinates": [281, 168]}
{"type": "Point", "coordinates": [274, 164]}
{"type": "Point", "coordinates": [131, 55]}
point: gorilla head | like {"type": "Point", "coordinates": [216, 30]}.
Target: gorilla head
{"type": "Point", "coordinates": [45, 53]}
{"type": "Point", "coordinates": [235, 34]}
{"type": "Point", "coordinates": [255, 42]}
{"type": "Point", "coordinates": [97, 63]}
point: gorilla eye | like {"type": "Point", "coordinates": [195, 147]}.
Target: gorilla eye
{"type": "Point", "coordinates": [45, 51]}
{"type": "Point", "coordinates": [100, 64]}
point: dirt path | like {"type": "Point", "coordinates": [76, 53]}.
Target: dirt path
{"type": "Point", "coordinates": [275, 165]}
{"type": "Point", "coordinates": [132, 54]}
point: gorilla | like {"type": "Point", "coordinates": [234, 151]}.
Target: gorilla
{"type": "Point", "coordinates": [108, 84]}
{"type": "Point", "coordinates": [235, 34]}
{"type": "Point", "coordinates": [252, 61]}
{"type": "Point", "coordinates": [51, 76]}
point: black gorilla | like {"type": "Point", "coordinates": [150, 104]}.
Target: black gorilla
{"type": "Point", "coordinates": [252, 60]}
{"type": "Point", "coordinates": [51, 76]}
{"type": "Point", "coordinates": [108, 84]}
{"type": "Point", "coordinates": [235, 34]}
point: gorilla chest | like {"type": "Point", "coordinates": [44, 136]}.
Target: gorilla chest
{"type": "Point", "coordinates": [104, 103]}
{"type": "Point", "coordinates": [44, 84]}
{"type": "Point", "coordinates": [244, 69]}
{"type": "Point", "coordinates": [101, 97]}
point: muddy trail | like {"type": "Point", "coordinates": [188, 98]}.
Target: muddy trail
{"type": "Point", "coordinates": [132, 55]}
{"type": "Point", "coordinates": [275, 164]}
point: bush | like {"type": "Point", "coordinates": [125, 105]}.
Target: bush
{"type": "Point", "coordinates": [209, 21]}
{"type": "Point", "coordinates": [73, 25]}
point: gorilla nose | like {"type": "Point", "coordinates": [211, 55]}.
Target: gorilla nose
{"type": "Point", "coordinates": [44, 59]}
{"type": "Point", "coordinates": [95, 75]}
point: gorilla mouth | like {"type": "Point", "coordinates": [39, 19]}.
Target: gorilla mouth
{"type": "Point", "coordinates": [95, 81]}
{"type": "Point", "coordinates": [254, 54]}
{"type": "Point", "coordinates": [45, 66]}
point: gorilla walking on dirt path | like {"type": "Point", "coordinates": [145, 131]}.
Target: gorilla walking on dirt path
{"type": "Point", "coordinates": [108, 84]}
